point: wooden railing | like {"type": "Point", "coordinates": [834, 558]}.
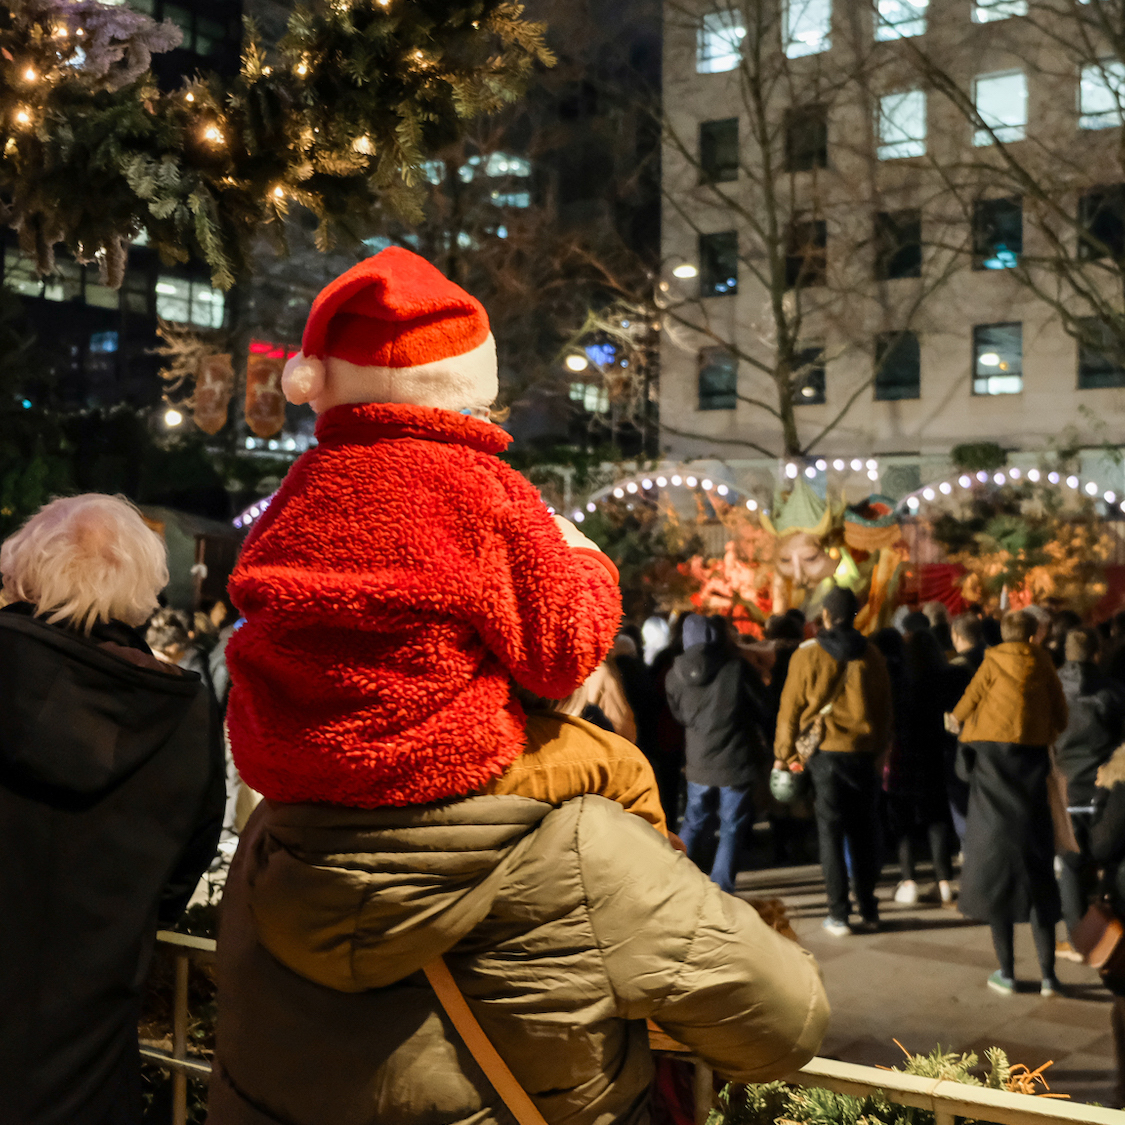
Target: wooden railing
{"type": "Point", "coordinates": [946, 1100]}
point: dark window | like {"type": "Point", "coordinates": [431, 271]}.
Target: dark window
{"type": "Point", "coordinates": [718, 264]}
{"type": "Point", "coordinates": [1101, 218]}
{"type": "Point", "coordinates": [718, 151]}
{"type": "Point", "coordinates": [997, 233]}
{"type": "Point", "coordinates": [898, 372]}
{"type": "Point", "coordinates": [806, 253]}
{"type": "Point", "coordinates": [998, 359]}
{"type": "Point", "coordinates": [898, 244]}
{"type": "Point", "coordinates": [1100, 356]}
{"type": "Point", "coordinates": [808, 376]}
{"type": "Point", "coordinates": [718, 379]}
{"type": "Point", "coordinates": [806, 138]}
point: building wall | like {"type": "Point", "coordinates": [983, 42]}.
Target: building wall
{"type": "Point", "coordinates": [848, 314]}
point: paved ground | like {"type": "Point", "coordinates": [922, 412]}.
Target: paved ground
{"type": "Point", "coordinates": [922, 981]}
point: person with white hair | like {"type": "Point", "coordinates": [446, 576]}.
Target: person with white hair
{"type": "Point", "coordinates": [111, 801]}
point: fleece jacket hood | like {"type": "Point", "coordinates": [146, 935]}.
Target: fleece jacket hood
{"type": "Point", "coordinates": [78, 718]}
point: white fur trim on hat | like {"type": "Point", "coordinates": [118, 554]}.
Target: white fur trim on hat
{"type": "Point", "coordinates": [303, 379]}
{"type": "Point", "coordinates": [452, 383]}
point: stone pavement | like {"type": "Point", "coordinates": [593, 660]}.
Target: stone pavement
{"type": "Point", "coordinates": [922, 981]}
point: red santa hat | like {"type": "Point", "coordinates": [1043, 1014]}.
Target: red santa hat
{"type": "Point", "coordinates": [394, 329]}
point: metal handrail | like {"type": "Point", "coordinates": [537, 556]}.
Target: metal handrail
{"type": "Point", "coordinates": [945, 1099]}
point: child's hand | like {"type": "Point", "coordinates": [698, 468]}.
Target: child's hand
{"type": "Point", "coordinates": [574, 537]}
{"type": "Point", "coordinates": [952, 724]}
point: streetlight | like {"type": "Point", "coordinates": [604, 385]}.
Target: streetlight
{"type": "Point", "coordinates": [577, 362]}
{"type": "Point", "coordinates": [685, 271]}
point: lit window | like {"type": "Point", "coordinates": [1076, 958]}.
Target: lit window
{"type": "Point", "coordinates": [494, 164]}
{"type": "Point", "coordinates": [717, 383]}
{"type": "Point", "coordinates": [511, 198]}
{"type": "Point", "coordinates": [997, 233]}
{"type": "Point", "coordinates": [65, 284]}
{"type": "Point", "coordinates": [718, 264]}
{"type": "Point", "coordinates": [808, 377]}
{"type": "Point", "coordinates": [902, 124]}
{"type": "Point", "coordinates": [1100, 92]}
{"type": "Point", "coordinates": [1001, 104]}
{"type": "Point", "coordinates": [189, 302]}
{"type": "Point", "coordinates": [808, 27]}
{"type": "Point", "coordinates": [985, 11]}
{"type": "Point", "coordinates": [718, 42]}
{"type": "Point", "coordinates": [20, 276]}
{"type": "Point", "coordinates": [104, 342]}
{"type": "Point", "coordinates": [433, 171]}
{"type": "Point", "coordinates": [900, 19]}
{"type": "Point", "coordinates": [898, 367]}
{"type": "Point", "coordinates": [998, 359]}
{"type": "Point", "coordinates": [590, 397]}
{"type": "Point", "coordinates": [1099, 355]}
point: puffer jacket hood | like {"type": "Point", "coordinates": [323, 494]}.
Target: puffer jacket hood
{"type": "Point", "coordinates": [700, 664]}
{"type": "Point", "coordinates": [1015, 696]}
{"type": "Point", "coordinates": [564, 927]}
{"type": "Point", "coordinates": [78, 718]}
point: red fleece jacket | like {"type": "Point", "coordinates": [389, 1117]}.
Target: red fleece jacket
{"type": "Point", "coordinates": [399, 576]}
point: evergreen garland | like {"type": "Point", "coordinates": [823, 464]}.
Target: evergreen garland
{"type": "Point", "coordinates": [338, 118]}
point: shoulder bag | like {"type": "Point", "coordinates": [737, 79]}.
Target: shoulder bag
{"type": "Point", "coordinates": [512, 1094]}
{"type": "Point", "coordinates": [1100, 938]}
{"type": "Point", "coordinates": [809, 740]}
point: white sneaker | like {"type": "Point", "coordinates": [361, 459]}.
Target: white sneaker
{"type": "Point", "coordinates": [837, 928]}
{"type": "Point", "coordinates": [946, 893]}
{"type": "Point", "coordinates": [907, 892]}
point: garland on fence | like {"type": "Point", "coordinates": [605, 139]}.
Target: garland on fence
{"type": "Point", "coordinates": [338, 119]}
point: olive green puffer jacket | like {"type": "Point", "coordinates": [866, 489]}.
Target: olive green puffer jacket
{"type": "Point", "coordinates": [564, 927]}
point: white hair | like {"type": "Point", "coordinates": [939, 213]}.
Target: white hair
{"type": "Point", "coordinates": [83, 559]}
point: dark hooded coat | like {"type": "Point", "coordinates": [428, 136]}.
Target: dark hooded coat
{"type": "Point", "coordinates": [111, 802]}
{"type": "Point", "coordinates": [719, 700]}
{"type": "Point", "coordinates": [1096, 710]}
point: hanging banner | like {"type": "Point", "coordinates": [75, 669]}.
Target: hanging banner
{"type": "Point", "coordinates": [214, 385]}
{"type": "Point", "coordinates": [265, 402]}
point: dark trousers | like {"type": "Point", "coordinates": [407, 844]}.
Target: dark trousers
{"type": "Point", "coordinates": [847, 792]}
{"type": "Point", "coordinates": [731, 809]}
{"type": "Point", "coordinates": [1079, 875]}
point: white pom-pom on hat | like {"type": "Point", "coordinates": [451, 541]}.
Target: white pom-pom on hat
{"type": "Point", "coordinates": [303, 379]}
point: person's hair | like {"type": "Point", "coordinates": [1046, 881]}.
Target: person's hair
{"type": "Point", "coordinates": [1040, 616]}
{"type": "Point", "coordinates": [924, 656]}
{"type": "Point", "coordinates": [937, 613]}
{"type": "Point", "coordinates": [84, 559]}
{"type": "Point", "coordinates": [782, 627]}
{"type": "Point", "coordinates": [797, 615]}
{"type": "Point", "coordinates": [624, 645]}
{"type": "Point", "coordinates": [1018, 626]}
{"type": "Point", "coordinates": [915, 622]}
{"type": "Point", "coordinates": [1082, 646]}
{"type": "Point", "coordinates": [840, 605]}
{"type": "Point", "coordinates": [167, 631]}
{"type": "Point", "coordinates": [967, 626]}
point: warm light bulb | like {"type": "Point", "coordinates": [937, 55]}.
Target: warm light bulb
{"type": "Point", "coordinates": [685, 271]}
{"type": "Point", "coordinates": [173, 418]}
{"type": "Point", "coordinates": [23, 117]}
{"type": "Point", "coordinates": [302, 69]}
{"type": "Point", "coordinates": [577, 362]}
{"type": "Point", "coordinates": [278, 192]}
{"type": "Point", "coordinates": [189, 97]}
{"type": "Point", "coordinates": [213, 134]}
{"type": "Point", "coordinates": [267, 70]}
{"type": "Point", "coordinates": [30, 75]}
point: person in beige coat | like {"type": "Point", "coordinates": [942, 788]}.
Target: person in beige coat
{"type": "Point", "coordinates": [566, 928]}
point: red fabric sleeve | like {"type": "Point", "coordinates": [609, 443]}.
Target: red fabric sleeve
{"type": "Point", "coordinates": [554, 610]}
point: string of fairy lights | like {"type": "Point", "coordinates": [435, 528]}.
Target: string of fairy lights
{"type": "Point", "coordinates": [966, 482]}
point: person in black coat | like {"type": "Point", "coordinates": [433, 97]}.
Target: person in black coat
{"type": "Point", "coordinates": [111, 802]}
{"type": "Point", "coordinates": [1107, 847]}
{"type": "Point", "coordinates": [719, 700]}
{"type": "Point", "coordinates": [1096, 706]}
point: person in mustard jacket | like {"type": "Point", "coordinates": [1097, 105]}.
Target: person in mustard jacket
{"type": "Point", "coordinates": [1012, 711]}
